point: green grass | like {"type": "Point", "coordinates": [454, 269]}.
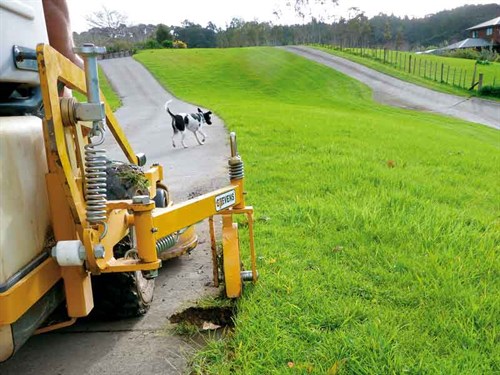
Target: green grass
{"type": "Point", "coordinates": [108, 91]}
{"type": "Point", "coordinates": [377, 228]}
{"type": "Point", "coordinates": [425, 73]}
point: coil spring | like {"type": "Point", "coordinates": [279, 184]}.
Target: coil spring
{"type": "Point", "coordinates": [236, 171]}
{"type": "Point", "coordinates": [166, 242]}
{"type": "Point", "coordinates": [95, 182]}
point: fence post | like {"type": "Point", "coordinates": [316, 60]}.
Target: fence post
{"type": "Point", "coordinates": [465, 77]}
{"type": "Point", "coordinates": [460, 79]}
{"type": "Point", "coordinates": [474, 75]}
{"type": "Point", "coordinates": [425, 69]}
{"type": "Point", "coordinates": [454, 71]}
{"type": "Point", "coordinates": [442, 69]}
{"type": "Point", "coordinates": [480, 83]}
{"type": "Point", "coordinates": [409, 64]}
{"type": "Point", "coordinates": [447, 74]}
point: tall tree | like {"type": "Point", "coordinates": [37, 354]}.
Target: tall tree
{"type": "Point", "coordinates": [162, 33]}
{"type": "Point", "coordinates": [387, 33]}
{"type": "Point", "coordinates": [106, 19]}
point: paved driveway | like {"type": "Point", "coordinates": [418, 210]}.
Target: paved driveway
{"type": "Point", "coordinates": [393, 91]}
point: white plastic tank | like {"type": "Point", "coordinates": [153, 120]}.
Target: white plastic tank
{"type": "Point", "coordinates": [22, 23]}
{"type": "Point", "coordinates": [24, 206]}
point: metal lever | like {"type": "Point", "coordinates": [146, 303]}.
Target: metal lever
{"type": "Point", "coordinates": [89, 53]}
{"type": "Point", "coordinates": [233, 144]}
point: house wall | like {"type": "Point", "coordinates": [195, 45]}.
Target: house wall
{"type": "Point", "coordinates": [481, 33]}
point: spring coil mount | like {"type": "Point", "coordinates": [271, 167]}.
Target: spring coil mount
{"type": "Point", "coordinates": [95, 181]}
{"type": "Point", "coordinates": [166, 242]}
{"type": "Point", "coordinates": [236, 171]}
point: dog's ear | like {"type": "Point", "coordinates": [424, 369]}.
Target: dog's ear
{"type": "Point", "coordinates": [209, 112]}
{"type": "Point", "coordinates": [199, 110]}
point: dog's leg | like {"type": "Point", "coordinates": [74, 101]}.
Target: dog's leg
{"type": "Point", "coordinates": [204, 135]}
{"type": "Point", "coordinates": [182, 140]}
{"type": "Point", "coordinates": [196, 135]}
{"type": "Point", "coordinates": [173, 139]}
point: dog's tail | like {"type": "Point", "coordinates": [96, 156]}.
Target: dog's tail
{"type": "Point", "coordinates": [167, 109]}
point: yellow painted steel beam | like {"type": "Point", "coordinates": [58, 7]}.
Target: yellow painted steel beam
{"type": "Point", "coordinates": [118, 133]}
{"type": "Point", "coordinates": [171, 219]}
{"type": "Point", "coordinates": [55, 326]}
{"type": "Point", "coordinates": [231, 257]}
{"type": "Point", "coordinates": [78, 291]}
{"type": "Point", "coordinates": [18, 299]}
{"type": "Point", "coordinates": [130, 265]}
{"type": "Point", "coordinates": [154, 175]}
{"type": "Point", "coordinates": [60, 149]}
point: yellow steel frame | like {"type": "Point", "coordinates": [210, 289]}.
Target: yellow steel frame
{"type": "Point", "coordinates": [64, 149]}
{"type": "Point", "coordinates": [18, 299]}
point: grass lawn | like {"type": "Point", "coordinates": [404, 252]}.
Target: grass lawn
{"type": "Point", "coordinates": [111, 96]}
{"type": "Point", "coordinates": [426, 69]}
{"type": "Point", "coordinates": [377, 228]}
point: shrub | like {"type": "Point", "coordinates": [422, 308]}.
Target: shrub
{"type": "Point", "coordinates": [151, 44]}
{"type": "Point", "coordinates": [487, 56]}
{"type": "Point", "coordinates": [490, 90]}
{"type": "Point", "coordinates": [463, 54]}
{"type": "Point", "coordinates": [120, 45]}
{"type": "Point", "coordinates": [180, 44]}
{"type": "Point", "coordinates": [167, 44]}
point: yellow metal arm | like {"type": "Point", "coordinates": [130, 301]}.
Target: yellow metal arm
{"type": "Point", "coordinates": [171, 219]}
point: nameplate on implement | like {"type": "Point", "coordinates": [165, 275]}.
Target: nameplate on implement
{"type": "Point", "coordinates": [225, 200]}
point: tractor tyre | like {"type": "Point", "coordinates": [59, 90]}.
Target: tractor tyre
{"type": "Point", "coordinates": [162, 198]}
{"type": "Point", "coordinates": [122, 295]}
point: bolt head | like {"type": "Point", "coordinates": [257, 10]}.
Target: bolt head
{"type": "Point", "coordinates": [82, 254]}
{"type": "Point", "coordinates": [140, 199]}
{"type": "Point", "coordinates": [152, 274]}
{"type": "Point", "coordinates": [99, 251]}
{"type": "Point", "coordinates": [141, 159]}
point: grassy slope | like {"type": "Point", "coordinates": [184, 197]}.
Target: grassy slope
{"type": "Point", "coordinates": [490, 71]}
{"type": "Point", "coordinates": [110, 94]}
{"type": "Point", "coordinates": [365, 267]}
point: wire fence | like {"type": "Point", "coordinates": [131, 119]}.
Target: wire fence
{"type": "Point", "coordinates": [425, 67]}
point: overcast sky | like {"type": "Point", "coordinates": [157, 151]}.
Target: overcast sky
{"type": "Point", "coordinates": [220, 12]}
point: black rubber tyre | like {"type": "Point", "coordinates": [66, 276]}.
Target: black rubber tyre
{"type": "Point", "coordinates": [121, 295]}
{"type": "Point", "coordinates": [161, 198]}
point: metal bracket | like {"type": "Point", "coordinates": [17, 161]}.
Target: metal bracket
{"type": "Point", "coordinates": [24, 58]}
{"type": "Point", "coordinates": [90, 111]}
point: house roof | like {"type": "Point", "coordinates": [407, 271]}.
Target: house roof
{"type": "Point", "coordinates": [492, 22]}
{"type": "Point", "coordinates": [468, 43]}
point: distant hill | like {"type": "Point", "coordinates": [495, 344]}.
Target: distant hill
{"type": "Point", "coordinates": [444, 27]}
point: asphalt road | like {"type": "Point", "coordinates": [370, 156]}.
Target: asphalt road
{"type": "Point", "coordinates": [144, 345]}
{"type": "Point", "coordinates": [394, 92]}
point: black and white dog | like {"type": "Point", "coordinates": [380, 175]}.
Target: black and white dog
{"type": "Point", "coordinates": [191, 121]}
